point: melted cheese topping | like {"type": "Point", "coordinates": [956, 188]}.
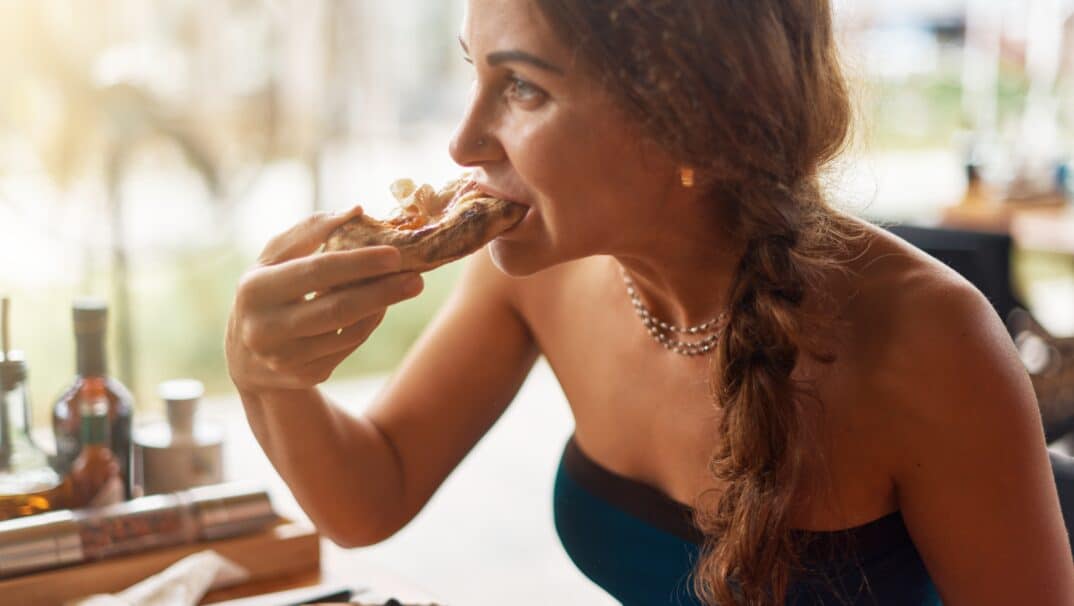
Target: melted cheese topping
{"type": "Point", "coordinates": [420, 206]}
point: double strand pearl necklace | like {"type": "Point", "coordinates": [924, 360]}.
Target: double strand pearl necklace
{"type": "Point", "coordinates": [667, 334]}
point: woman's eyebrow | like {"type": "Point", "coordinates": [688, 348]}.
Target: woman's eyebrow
{"type": "Point", "coordinates": [509, 56]}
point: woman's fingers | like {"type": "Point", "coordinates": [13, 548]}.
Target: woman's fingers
{"type": "Point", "coordinates": [306, 237]}
{"type": "Point", "coordinates": [343, 341]}
{"type": "Point", "coordinates": [292, 280]}
{"type": "Point", "coordinates": [279, 327]}
{"type": "Point", "coordinates": [347, 306]}
{"type": "Point", "coordinates": [278, 337]}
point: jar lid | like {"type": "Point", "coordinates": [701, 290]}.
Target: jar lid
{"type": "Point", "coordinates": [181, 398]}
{"type": "Point", "coordinates": [180, 390]}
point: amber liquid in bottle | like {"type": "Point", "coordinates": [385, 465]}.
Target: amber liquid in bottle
{"type": "Point", "coordinates": [18, 505]}
{"type": "Point", "coordinates": [30, 490]}
{"type": "Point", "coordinates": [27, 484]}
{"type": "Point", "coordinates": [93, 384]}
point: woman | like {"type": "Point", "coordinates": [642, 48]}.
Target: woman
{"type": "Point", "coordinates": [774, 402]}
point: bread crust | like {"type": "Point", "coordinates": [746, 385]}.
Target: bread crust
{"type": "Point", "coordinates": [466, 220]}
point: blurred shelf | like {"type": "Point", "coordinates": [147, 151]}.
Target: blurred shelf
{"type": "Point", "coordinates": [1045, 225]}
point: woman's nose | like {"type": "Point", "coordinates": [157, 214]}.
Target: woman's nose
{"type": "Point", "coordinates": [473, 144]}
{"type": "Point", "coordinates": [473, 147]}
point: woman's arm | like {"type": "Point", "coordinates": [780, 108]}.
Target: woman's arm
{"type": "Point", "coordinates": [455, 383]}
{"type": "Point", "coordinates": [361, 478]}
{"type": "Point", "coordinates": [972, 473]}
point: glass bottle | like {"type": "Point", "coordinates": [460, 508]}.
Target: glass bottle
{"type": "Point", "coordinates": [92, 380]}
{"type": "Point", "coordinates": [28, 485]}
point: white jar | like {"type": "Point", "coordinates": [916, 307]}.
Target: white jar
{"type": "Point", "coordinates": [182, 452]}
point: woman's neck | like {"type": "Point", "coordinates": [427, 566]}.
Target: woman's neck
{"type": "Point", "coordinates": [684, 275]}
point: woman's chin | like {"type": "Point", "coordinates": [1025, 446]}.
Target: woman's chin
{"type": "Point", "coordinates": [514, 252]}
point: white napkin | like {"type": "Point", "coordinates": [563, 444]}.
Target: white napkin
{"type": "Point", "coordinates": [181, 584]}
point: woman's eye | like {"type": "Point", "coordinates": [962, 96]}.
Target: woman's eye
{"type": "Point", "coordinates": [520, 90]}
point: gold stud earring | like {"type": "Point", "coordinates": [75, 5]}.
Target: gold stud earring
{"type": "Point", "coordinates": [686, 176]}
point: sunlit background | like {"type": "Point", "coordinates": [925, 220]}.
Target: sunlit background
{"type": "Point", "coordinates": [148, 149]}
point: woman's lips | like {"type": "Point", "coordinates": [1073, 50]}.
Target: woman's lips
{"type": "Point", "coordinates": [494, 193]}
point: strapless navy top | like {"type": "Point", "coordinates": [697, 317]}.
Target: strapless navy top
{"type": "Point", "coordinates": [640, 546]}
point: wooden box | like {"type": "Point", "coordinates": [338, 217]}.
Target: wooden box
{"type": "Point", "coordinates": [285, 550]}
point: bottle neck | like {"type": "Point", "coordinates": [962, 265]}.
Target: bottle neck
{"type": "Point", "coordinates": [91, 360]}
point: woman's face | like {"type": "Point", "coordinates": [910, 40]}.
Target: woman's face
{"type": "Point", "coordinates": [539, 131]}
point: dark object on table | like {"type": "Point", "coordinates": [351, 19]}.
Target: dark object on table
{"type": "Point", "coordinates": [1050, 363]}
{"type": "Point", "coordinates": [983, 258]}
{"type": "Point", "coordinates": [339, 597]}
{"type": "Point", "coordinates": [392, 602]}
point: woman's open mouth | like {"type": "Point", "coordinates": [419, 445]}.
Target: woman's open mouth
{"type": "Point", "coordinates": [525, 219]}
{"type": "Point", "coordinates": [495, 193]}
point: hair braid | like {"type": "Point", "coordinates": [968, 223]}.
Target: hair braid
{"type": "Point", "coordinates": [759, 458]}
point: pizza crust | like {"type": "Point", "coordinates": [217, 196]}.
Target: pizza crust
{"type": "Point", "coordinates": [433, 227]}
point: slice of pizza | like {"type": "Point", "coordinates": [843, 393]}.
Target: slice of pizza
{"type": "Point", "coordinates": [432, 227]}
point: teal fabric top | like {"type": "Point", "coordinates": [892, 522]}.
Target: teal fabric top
{"type": "Point", "coordinates": [640, 546]}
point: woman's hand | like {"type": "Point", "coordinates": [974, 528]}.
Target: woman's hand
{"type": "Point", "coordinates": [298, 315]}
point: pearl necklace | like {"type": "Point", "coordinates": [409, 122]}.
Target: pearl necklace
{"type": "Point", "coordinates": [664, 333]}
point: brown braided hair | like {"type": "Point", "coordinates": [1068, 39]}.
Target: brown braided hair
{"type": "Point", "coordinates": [749, 93]}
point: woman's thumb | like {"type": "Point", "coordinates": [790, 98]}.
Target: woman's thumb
{"type": "Point", "coordinates": [305, 237]}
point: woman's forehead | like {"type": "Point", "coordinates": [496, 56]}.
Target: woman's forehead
{"type": "Point", "coordinates": [496, 25]}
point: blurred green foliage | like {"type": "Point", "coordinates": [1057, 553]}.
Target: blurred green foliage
{"type": "Point", "coordinates": [926, 111]}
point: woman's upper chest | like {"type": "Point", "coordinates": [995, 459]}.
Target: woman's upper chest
{"type": "Point", "coordinates": [637, 409]}
{"type": "Point", "coordinates": [650, 415]}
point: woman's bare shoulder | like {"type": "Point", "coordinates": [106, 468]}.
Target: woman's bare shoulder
{"type": "Point", "coordinates": [911, 308]}
{"type": "Point", "coordinates": [955, 419]}
{"type": "Point", "coordinates": [887, 290]}
{"type": "Point", "coordinates": [928, 340]}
